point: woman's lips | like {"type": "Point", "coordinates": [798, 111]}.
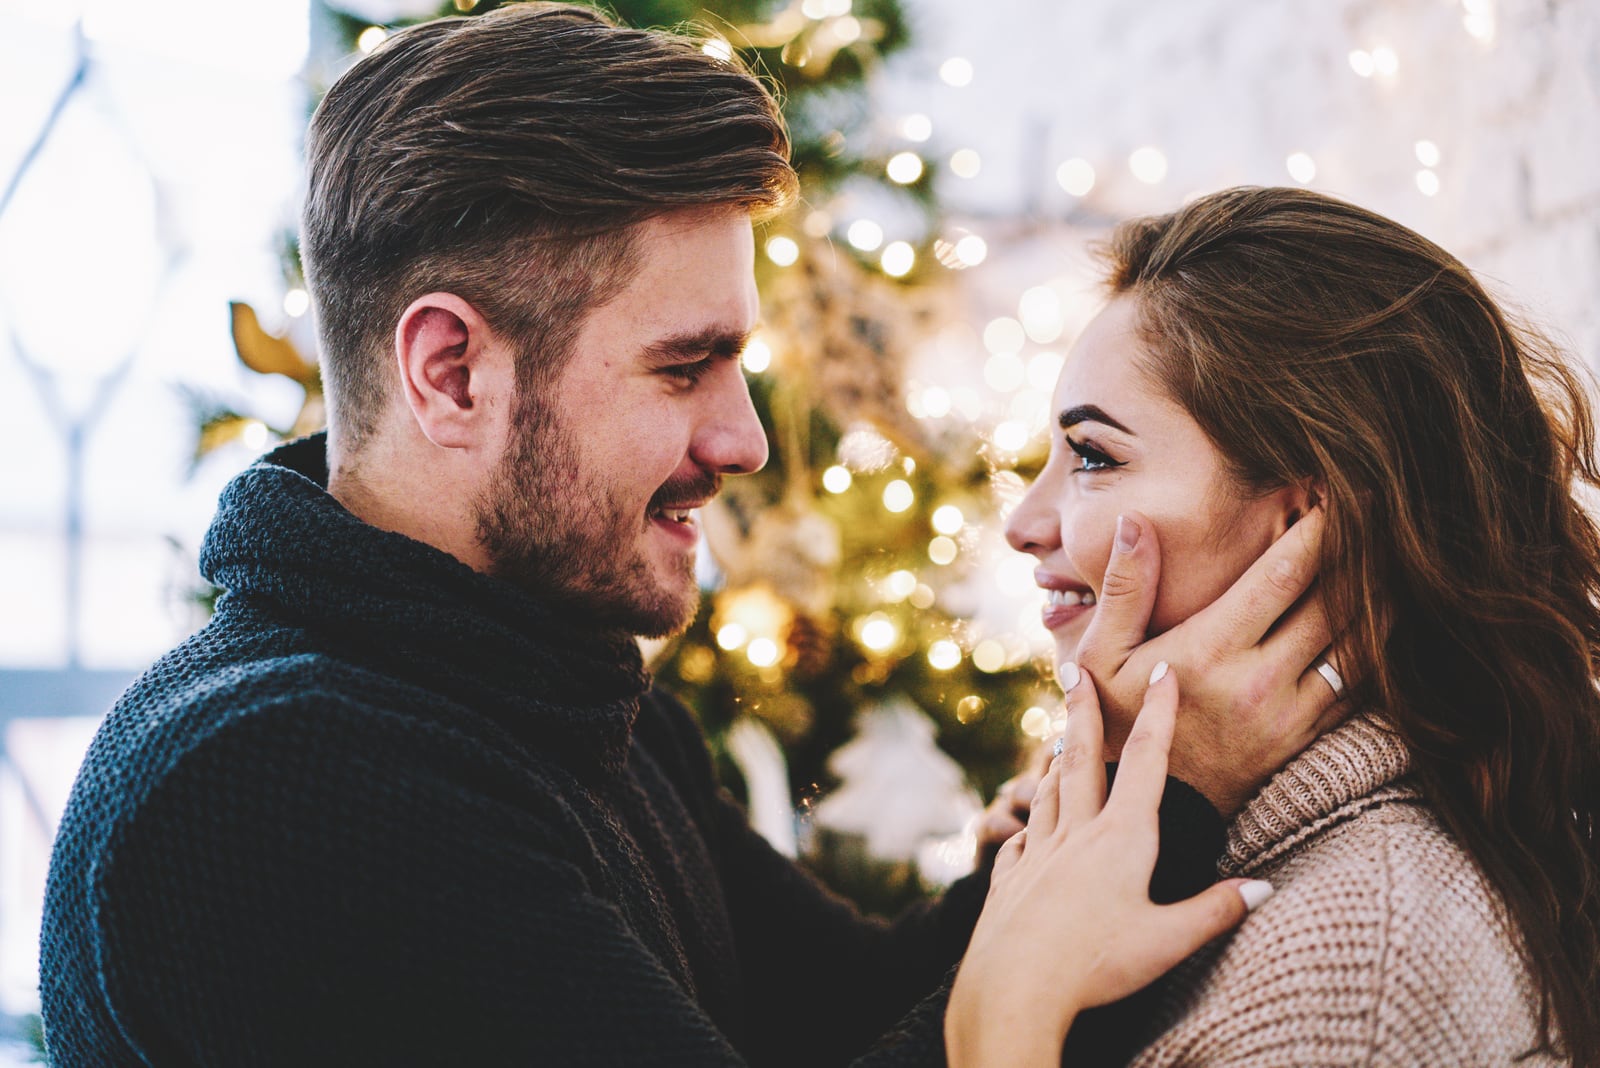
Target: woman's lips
{"type": "Point", "coordinates": [1066, 606]}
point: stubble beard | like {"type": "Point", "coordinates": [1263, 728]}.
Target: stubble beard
{"type": "Point", "coordinates": [565, 539]}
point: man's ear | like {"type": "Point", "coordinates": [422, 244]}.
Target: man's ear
{"type": "Point", "coordinates": [452, 370]}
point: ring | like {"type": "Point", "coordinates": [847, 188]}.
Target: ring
{"type": "Point", "coordinates": [1061, 743]}
{"type": "Point", "coordinates": [1331, 676]}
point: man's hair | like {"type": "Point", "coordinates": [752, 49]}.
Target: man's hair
{"type": "Point", "coordinates": [505, 158]}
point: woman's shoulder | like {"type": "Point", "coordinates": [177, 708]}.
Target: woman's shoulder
{"type": "Point", "coordinates": [1383, 943]}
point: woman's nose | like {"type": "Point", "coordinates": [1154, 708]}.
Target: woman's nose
{"type": "Point", "coordinates": [1033, 527]}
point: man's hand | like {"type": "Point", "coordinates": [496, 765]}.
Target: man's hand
{"type": "Point", "coordinates": [1007, 813]}
{"type": "Point", "coordinates": [1252, 695]}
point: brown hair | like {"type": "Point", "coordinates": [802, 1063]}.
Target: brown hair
{"type": "Point", "coordinates": [505, 158]}
{"type": "Point", "coordinates": [1316, 342]}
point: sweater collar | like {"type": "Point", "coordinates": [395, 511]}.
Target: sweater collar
{"type": "Point", "coordinates": [1348, 769]}
{"type": "Point", "coordinates": [406, 609]}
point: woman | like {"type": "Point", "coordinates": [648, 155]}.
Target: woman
{"type": "Point", "coordinates": [1270, 351]}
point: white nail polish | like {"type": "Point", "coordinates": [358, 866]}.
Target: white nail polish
{"type": "Point", "coordinates": [1254, 893]}
{"type": "Point", "coordinates": [1159, 673]}
{"type": "Point", "coordinates": [1069, 675]}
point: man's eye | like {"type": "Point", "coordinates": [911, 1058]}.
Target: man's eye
{"type": "Point", "coordinates": [689, 372]}
{"type": "Point", "coordinates": [1090, 458]}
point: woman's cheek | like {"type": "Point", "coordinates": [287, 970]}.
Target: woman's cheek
{"type": "Point", "coordinates": [1086, 538]}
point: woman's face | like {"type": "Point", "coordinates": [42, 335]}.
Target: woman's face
{"type": "Point", "coordinates": [1123, 446]}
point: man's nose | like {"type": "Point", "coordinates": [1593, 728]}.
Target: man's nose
{"type": "Point", "coordinates": [730, 439]}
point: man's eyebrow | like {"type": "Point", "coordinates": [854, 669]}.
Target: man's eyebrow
{"type": "Point", "coordinates": [713, 341]}
{"type": "Point", "coordinates": [1087, 413]}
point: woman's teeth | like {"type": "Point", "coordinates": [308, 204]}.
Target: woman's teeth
{"type": "Point", "coordinates": [1058, 598]}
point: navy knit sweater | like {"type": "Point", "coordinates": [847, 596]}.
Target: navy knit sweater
{"type": "Point", "coordinates": [386, 810]}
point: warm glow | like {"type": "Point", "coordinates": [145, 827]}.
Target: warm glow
{"type": "Point", "coordinates": [936, 402]}
{"type": "Point", "coordinates": [898, 496]}
{"type": "Point", "coordinates": [971, 250]}
{"type": "Point", "coordinates": [718, 49]}
{"type": "Point", "coordinates": [1428, 183]}
{"type": "Point", "coordinates": [763, 652]}
{"type": "Point", "coordinates": [1302, 168]}
{"type": "Point", "coordinates": [916, 127]}
{"type": "Point", "coordinates": [865, 235]}
{"type": "Point", "coordinates": [904, 167]}
{"type": "Point", "coordinates": [371, 38]}
{"type": "Point", "coordinates": [1427, 153]}
{"type": "Point", "coordinates": [783, 251]}
{"type": "Point", "coordinates": [1035, 721]}
{"type": "Point", "coordinates": [942, 550]}
{"type": "Point", "coordinates": [836, 479]}
{"type": "Point", "coordinates": [1384, 61]}
{"type": "Point", "coordinates": [879, 633]}
{"type": "Point", "coordinates": [970, 707]}
{"type": "Point", "coordinates": [757, 356]}
{"type": "Point", "coordinates": [956, 72]}
{"type": "Point", "coordinates": [989, 656]}
{"type": "Point", "coordinates": [296, 302]}
{"type": "Point", "coordinates": [1043, 370]}
{"type": "Point", "coordinates": [1148, 164]}
{"type": "Point", "coordinates": [1076, 176]}
{"type": "Point", "coordinates": [898, 259]}
{"type": "Point", "coordinates": [1004, 372]}
{"type": "Point", "coordinates": [965, 163]}
{"type": "Point", "coordinates": [944, 654]}
{"type": "Point", "coordinates": [900, 584]}
{"type": "Point", "coordinates": [1361, 63]}
{"type": "Point", "coordinates": [732, 636]}
{"type": "Point", "coordinates": [947, 519]}
{"type": "Point", "coordinates": [1011, 436]}
{"type": "Point", "coordinates": [1004, 334]}
{"type": "Point", "coordinates": [1040, 311]}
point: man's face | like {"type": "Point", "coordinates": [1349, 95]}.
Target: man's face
{"type": "Point", "coordinates": [592, 503]}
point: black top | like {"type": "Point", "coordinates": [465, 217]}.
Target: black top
{"type": "Point", "coordinates": [386, 810]}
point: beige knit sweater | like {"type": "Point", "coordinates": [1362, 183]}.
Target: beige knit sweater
{"type": "Point", "coordinates": [1383, 945]}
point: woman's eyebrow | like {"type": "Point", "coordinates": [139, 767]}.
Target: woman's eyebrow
{"type": "Point", "coordinates": [1088, 413]}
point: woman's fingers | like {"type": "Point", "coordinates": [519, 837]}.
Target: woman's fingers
{"type": "Point", "coordinates": [1080, 769]}
{"type": "Point", "coordinates": [1142, 771]}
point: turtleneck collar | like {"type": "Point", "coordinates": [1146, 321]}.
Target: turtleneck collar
{"type": "Point", "coordinates": [281, 542]}
{"type": "Point", "coordinates": [1351, 767]}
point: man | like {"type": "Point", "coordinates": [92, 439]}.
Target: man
{"type": "Point", "coordinates": [409, 797]}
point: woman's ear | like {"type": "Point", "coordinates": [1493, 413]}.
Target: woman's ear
{"type": "Point", "coordinates": [1296, 501]}
{"type": "Point", "coordinates": [452, 371]}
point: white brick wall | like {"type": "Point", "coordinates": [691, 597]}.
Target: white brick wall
{"type": "Point", "coordinates": [1227, 89]}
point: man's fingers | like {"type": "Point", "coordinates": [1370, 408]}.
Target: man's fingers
{"type": "Point", "coordinates": [1269, 588]}
{"type": "Point", "coordinates": [1081, 766]}
{"type": "Point", "coordinates": [1127, 596]}
{"type": "Point", "coordinates": [1142, 771]}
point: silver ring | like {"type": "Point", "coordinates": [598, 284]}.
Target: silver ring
{"type": "Point", "coordinates": [1061, 743]}
{"type": "Point", "coordinates": [1331, 676]}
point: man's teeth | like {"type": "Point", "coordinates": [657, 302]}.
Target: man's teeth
{"type": "Point", "coordinates": [677, 515]}
{"type": "Point", "coordinates": [1057, 598]}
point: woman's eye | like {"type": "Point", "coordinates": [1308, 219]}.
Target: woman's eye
{"type": "Point", "coordinates": [1090, 458]}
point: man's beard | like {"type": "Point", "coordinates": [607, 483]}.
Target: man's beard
{"type": "Point", "coordinates": [564, 538]}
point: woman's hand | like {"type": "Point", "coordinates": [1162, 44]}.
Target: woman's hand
{"type": "Point", "coordinates": [1253, 697]}
{"type": "Point", "coordinates": [1068, 923]}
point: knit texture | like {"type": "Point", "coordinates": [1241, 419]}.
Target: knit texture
{"type": "Point", "coordinates": [1383, 944]}
{"type": "Point", "coordinates": [385, 810]}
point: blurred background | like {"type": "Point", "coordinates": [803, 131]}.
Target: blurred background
{"type": "Point", "coordinates": [867, 662]}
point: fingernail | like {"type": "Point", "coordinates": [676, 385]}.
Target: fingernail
{"type": "Point", "coordinates": [1159, 673]}
{"type": "Point", "coordinates": [1068, 675]}
{"type": "Point", "coordinates": [1254, 893]}
{"type": "Point", "coordinates": [1127, 534]}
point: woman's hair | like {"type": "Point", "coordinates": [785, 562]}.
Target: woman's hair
{"type": "Point", "coordinates": [1320, 344]}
